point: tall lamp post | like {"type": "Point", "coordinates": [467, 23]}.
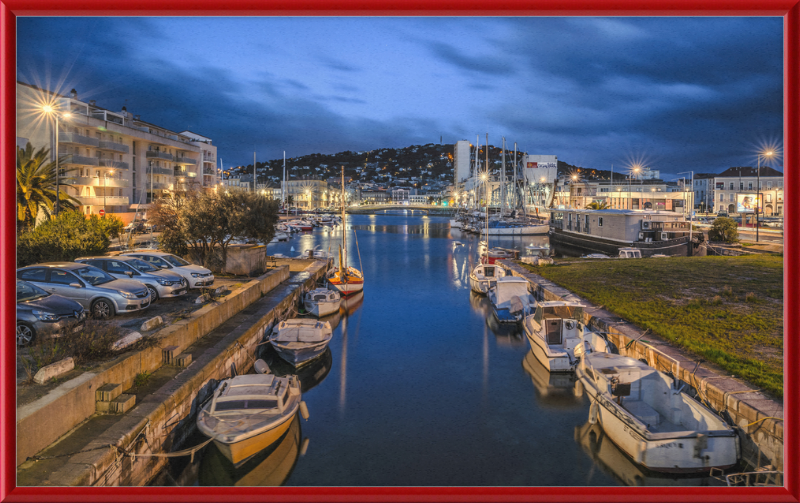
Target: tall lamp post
{"type": "Point", "coordinates": [630, 197]}
{"type": "Point", "coordinates": [769, 153]}
{"type": "Point", "coordinates": [691, 209]}
{"type": "Point", "coordinates": [49, 110]}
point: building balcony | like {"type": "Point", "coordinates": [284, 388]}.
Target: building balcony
{"type": "Point", "coordinates": [159, 186]}
{"type": "Point", "coordinates": [209, 158]}
{"type": "Point", "coordinates": [184, 160]}
{"type": "Point", "coordinates": [116, 147]}
{"type": "Point", "coordinates": [95, 181]}
{"type": "Point", "coordinates": [100, 200]}
{"type": "Point", "coordinates": [110, 163]}
{"type": "Point", "coordinates": [162, 171]}
{"type": "Point", "coordinates": [209, 171]}
{"type": "Point", "coordinates": [153, 154]}
{"type": "Point", "coordinates": [64, 137]}
{"type": "Point", "coordinates": [78, 160]}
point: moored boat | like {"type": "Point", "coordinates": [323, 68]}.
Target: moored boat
{"type": "Point", "coordinates": [322, 302]}
{"type": "Point", "coordinates": [347, 280]}
{"type": "Point", "coordinates": [510, 299]}
{"type": "Point", "coordinates": [650, 418]}
{"type": "Point", "coordinates": [248, 413]}
{"type": "Point", "coordinates": [558, 336]}
{"type": "Point", "coordinates": [299, 341]}
{"type": "Point", "coordinates": [484, 276]}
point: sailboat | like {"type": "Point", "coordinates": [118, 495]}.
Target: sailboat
{"type": "Point", "coordinates": [484, 276]}
{"type": "Point", "coordinates": [346, 280]}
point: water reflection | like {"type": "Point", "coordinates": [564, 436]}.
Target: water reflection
{"type": "Point", "coordinates": [552, 390]}
{"type": "Point", "coordinates": [310, 375]}
{"type": "Point", "coordinates": [270, 467]}
{"type": "Point", "coordinates": [614, 462]}
{"type": "Point", "coordinates": [506, 334]}
{"type": "Point", "coordinates": [433, 230]}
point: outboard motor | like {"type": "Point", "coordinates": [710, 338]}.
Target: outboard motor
{"type": "Point", "coordinates": [261, 367]}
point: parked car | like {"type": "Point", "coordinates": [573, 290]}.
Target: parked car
{"type": "Point", "coordinates": [40, 313]}
{"type": "Point", "coordinates": [162, 284]}
{"type": "Point", "coordinates": [196, 275]}
{"type": "Point", "coordinates": [91, 287]}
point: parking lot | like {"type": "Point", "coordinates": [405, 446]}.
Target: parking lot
{"type": "Point", "coordinates": [170, 310]}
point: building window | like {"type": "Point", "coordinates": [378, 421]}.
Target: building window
{"type": "Point", "coordinates": [769, 198]}
{"type": "Point", "coordinates": [731, 185]}
{"type": "Point", "coordinates": [769, 185]}
{"type": "Point", "coordinates": [733, 197]}
{"type": "Point", "coordinates": [750, 186]}
{"type": "Point", "coordinates": [600, 222]}
{"type": "Point", "coordinates": [721, 197]}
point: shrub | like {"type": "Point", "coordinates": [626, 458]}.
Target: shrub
{"type": "Point", "coordinates": [750, 297]}
{"type": "Point", "coordinates": [724, 229]}
{"type": "Point", "coordinates": [67, 237]}
{"type": "Point", "coordinates": [92, 343]}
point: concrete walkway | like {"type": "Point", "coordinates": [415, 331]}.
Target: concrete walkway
{"type": "Point", "coordinates": [74, 458]}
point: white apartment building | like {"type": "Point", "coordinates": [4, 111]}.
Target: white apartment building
{"type": "Point", "coordinates": [113, 160]}
{"type": "Point", "coordinates": [462, 164]}
{"type": "Point", "coordinates": [734, 183]}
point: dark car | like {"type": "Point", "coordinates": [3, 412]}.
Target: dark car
{"type": "Point", "coordinates": [40, 313]}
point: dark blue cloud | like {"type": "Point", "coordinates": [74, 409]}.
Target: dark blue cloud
{"type": "Point", "coordinates": [686, 93]}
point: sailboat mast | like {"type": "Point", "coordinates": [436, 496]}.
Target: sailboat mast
{"type": "Point", "coordinates": [487, 177]}
{"type": "Point", "coordinates": [503, 178]}
{"type": "Point", "coordinates": [344, 234]}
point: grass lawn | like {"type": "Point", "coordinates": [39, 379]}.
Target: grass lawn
{"type": "Point", "coordinates": [726, 310]}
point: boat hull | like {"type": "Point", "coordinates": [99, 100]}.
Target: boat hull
{"type": "Point", "coordinates": [506, 316]}
{"type": "Point", "coordinates": [348, 288]}
{"type": "Point", "coordinates": [320, 309]}
{"type": "Point", "coordinates": [526, 230]}
{"type": "Point", "coordinates": [481, 286]}
{"type": "Point", "coordinates": [241, 451]}
{"type": "Point", "coordinates": [553, 364]}
{"type": "Point", "coordinates": [300, 357]}
{"type": "Point", "coordinates": [663, 452]}
{"type": "Point", "coordinates": [574, 244]}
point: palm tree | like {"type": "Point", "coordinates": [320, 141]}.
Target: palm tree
{"type": "Point", "coordinates": [594, 205]}
{"type": "Point", "coordinates": [36, 186]}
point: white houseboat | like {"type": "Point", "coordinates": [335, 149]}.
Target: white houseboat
{"type": "Point", "coordinates": [575, 232]}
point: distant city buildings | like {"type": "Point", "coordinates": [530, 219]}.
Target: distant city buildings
{"type": "Point", "coordinates": [113, 160]}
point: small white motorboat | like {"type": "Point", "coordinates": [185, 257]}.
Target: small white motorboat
{"type": "Point", "coordinates": [322, 302]}
{"type": "Point", "coordinates": [630, 253]}
{"type": "Point", "coordinates": [510, 299]}
{"type": "Point", "coordinates": [299, 341]}
{"type": "Point", "coordinates": [650, 418]}
{"type": "Point", "coordinates": [558, 336]}
{"type": "Point", "coordinates": [595, 255]}
{"type": "Point", "coordinates": [248, 413]}
{"type": "Point", "coordinates": [484, 277]}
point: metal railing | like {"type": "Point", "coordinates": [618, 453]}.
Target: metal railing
{"type": "Point", "coordinates": [154, 154]}
{"type": "Point", "coordinates": [110, 163]}
{"type": "Point", "coordinates": [78, 159]}
{"type": "Point", "coordinates": [98, 181]}
{"type": "Point", "coordinates": [184, 160]}
{"type": "Point", "coordinates": [162, 171]}
{"type": "Point", "coordinates": [64, 137]}
{"type": "Point", "coordinates": [100, 200]}
{"type": "Point", "coordinates": [110, 145]}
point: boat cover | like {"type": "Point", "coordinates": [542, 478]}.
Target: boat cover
{"type": "Point", "coordinates": [509, 287]}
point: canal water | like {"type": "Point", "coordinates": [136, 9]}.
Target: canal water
{"type": "Point", "coordinates": [421, 387]}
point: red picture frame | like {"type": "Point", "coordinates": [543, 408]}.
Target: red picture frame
{"type": "Point", "coordinates": [788, 9]}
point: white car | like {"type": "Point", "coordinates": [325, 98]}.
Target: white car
{"type": "Point", "coordinates": [196, 275]}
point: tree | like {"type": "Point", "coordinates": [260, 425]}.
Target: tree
{"type": "Point", "coordinates": [203, 224]}
{"type": "Point", "coordinates": [594, 205]}
{"type": "Point", "coordinates": [289, 200]}
{"type": "Point", "coordinates": [724, 229]}
{"type": "Point", "coordinates": [36, 187]}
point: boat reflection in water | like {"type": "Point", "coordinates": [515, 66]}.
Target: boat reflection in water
{"type": "Point", "coordinates": [270, 467]}
{"type": "Point", "coordinates": [617, 464]}
{"type": "Point", "coordinates": [552, 390]}
{"type": "Point", "coordinates": [309, 375]}
{"type": "Point", "coordinates": [351, 304]}
{"type": "Point", "coordinates": [506, 334]}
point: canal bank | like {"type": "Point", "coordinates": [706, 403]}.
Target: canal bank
{"type": "Point", "coordinates": [179, 374]}
{"type": "Point", "coordinates": [756, 417]}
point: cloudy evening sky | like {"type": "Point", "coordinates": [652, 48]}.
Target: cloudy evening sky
{"type": "Point", "coordinates": [678, 94]}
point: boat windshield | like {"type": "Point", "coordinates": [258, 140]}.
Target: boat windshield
{"type": "Point", "coordinates": [565, 312]}
{"type": "Point", "coordinates": [246, 404]}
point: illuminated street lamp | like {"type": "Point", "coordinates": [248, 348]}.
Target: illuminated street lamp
{"type": "Point", "coordinates": [49, 110]}
{"type": "Point", "coordinates": [769, 154]}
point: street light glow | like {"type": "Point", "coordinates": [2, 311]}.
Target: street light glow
{"type": "Point", "coordinates": [47, 109]}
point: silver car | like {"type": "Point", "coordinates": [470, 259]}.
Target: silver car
{"type": "Point", "coordinates": [43, 314]}
{"type": "Point", "coordinates": [89, 286]}
{"type": "Point", "coordinates": [197, 276]}
{"type": "Point", "coordinates": [162, 284]}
